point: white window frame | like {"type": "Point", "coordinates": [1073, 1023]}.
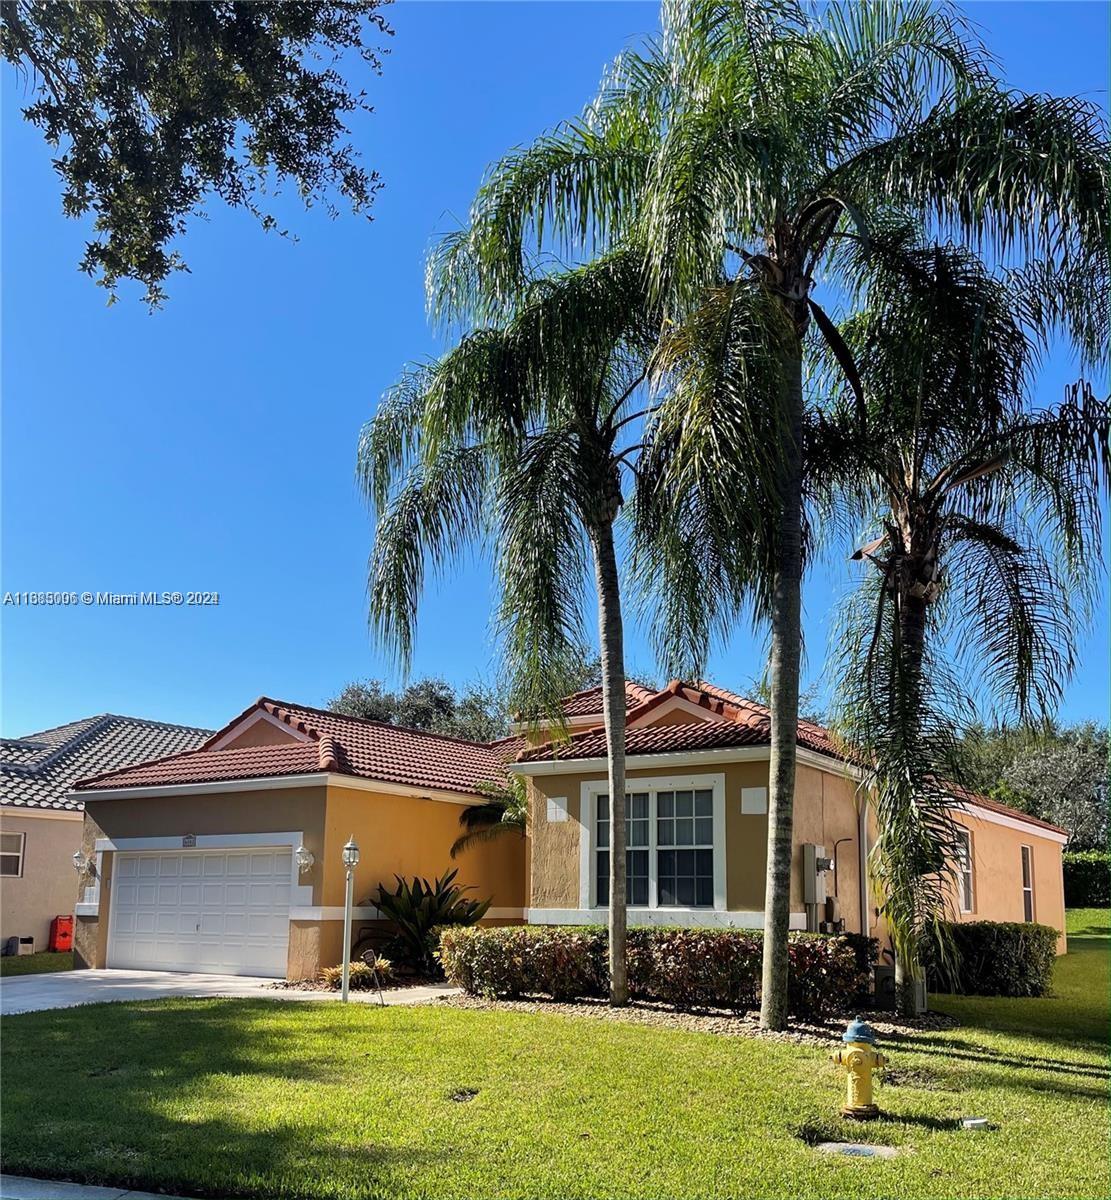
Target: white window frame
{"type": "Point", "coordinates": [966, 874]}
{"type": "Point", "coordinates": [588, 811]}
{"type": "Point", "coordinates": [1026, 859]}
{"type": "Point", "coordinates": [19, 855]}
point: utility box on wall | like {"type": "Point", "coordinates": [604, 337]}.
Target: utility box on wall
{"type": "Point", "coordinates": [814, 867]}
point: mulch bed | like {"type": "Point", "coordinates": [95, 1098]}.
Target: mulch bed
{"type": "Point", "coordinates": [818, 1031]}
{"type": "Point", "coordinates": [315, 985]}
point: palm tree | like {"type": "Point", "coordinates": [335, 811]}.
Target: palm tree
{"type": "Point", "coordinates": [519, 437]}
{"type": "Point", "coordinates": [504, 811]}
{"type": "Point", "coordinates": [741, 148]}
{"type": "Point", "coordinates": [967, 488]}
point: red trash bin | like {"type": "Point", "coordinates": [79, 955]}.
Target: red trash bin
{"type": "Point", "coordinates": [61, 934]}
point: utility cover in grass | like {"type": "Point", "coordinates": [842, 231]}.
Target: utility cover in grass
{"type": "Point", "coordinates": [857, 1149]}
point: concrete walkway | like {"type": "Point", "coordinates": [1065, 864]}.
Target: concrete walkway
{"type": "Point", "coordinates": [16, 1187]}
{"type": "Point", "coordinates": [66, 989]}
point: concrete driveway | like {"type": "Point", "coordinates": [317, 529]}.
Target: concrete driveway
{"type": "Point", "coordinates": [65, 989]}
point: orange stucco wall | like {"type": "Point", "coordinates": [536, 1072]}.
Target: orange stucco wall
{"type": "Point", "coordinates": [997, 875]}
{"type": "Point", "coordinates": [408, 836]}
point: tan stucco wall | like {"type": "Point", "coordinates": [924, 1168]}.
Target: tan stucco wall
{"type": "Point", "coordinates": [48, 885]}
{"type": "Point", "coordinates": [997, 875]}
{"type": "Point", "coordinates": [825, 810]}
{"type": "Point", "coordinates": [283, 810]}
{"type": "Point", "coordinates": [406, 835]}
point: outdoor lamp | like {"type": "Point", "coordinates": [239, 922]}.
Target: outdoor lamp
{"type": "Point", "coordinates": [350, 861]}
{"type": "Point", "coordinates": [305, 858]}
{"type": "Point", "coordinates": [82, 863]}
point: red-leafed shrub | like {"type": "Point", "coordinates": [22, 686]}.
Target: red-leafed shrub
{"type": "Point", "coordinates": [687, 968]}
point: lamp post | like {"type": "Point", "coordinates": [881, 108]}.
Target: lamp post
{"type": "Point", "coordinates": [350, 861]}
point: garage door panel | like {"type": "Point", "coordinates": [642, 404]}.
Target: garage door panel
{"type": "Point", "coordinates": [202, 910]}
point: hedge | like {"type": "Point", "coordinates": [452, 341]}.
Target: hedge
{"type": "Point", "coordinates": [1087, 878]}
{"type": "Point", "coordinates": [994, 958]}
{"type": "Point", "coordinates": [687, 968]}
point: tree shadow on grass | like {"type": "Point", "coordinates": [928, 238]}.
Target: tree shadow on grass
{"type": "Point", "coordinates": [966, 1051]}
{"type": "Point", "coordinates": [173, 1099]}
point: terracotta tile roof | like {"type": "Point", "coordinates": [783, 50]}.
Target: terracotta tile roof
{"type": "Point", "coordinates": [39, 770]}
{"type": "Point", "coordinates": [588, 703]}
{"type": "Point", "coordinates": [743, 723]}
{"type": "Point", "coordinates": [963, 796]}
{"type": "Point", "coordinates": [339, 744]}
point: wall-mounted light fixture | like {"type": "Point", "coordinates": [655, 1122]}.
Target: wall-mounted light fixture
{"type": "Point", "coordinates": [305, 859]}
{"type": "Point", "coordinates": [83, 864]}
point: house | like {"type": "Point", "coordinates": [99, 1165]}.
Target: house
{"type": "Point", "coordinates": [40, 821]}
{"type": "Point", "coordinates": [696, 760]}
{"type": "Point", "coordinates": [227, 858]}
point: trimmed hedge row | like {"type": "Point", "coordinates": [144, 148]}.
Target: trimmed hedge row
{"type": "Point", "coordinates": [687, 968]}
{"type": "Point", "coordinates": [995, 958]}
{"type": "Point", "coordinates": [1087, 878]}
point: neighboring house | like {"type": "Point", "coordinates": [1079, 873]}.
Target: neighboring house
{"type": "Point", "coordinates": [197, 855]}
{"type": "Point", "coordinates": [40, 822]}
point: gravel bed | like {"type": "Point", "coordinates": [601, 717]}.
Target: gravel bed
{"type": "Point", "coordinates": [815, 1032]}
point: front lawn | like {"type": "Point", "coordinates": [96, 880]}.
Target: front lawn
{"type": "Point", "coordinates": [36, 964]}
{"type": "Point", "coordinates": [258, 1098]}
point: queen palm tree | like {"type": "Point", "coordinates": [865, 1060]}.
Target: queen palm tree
{"type": "Point", "coordinates": [988, 547]}
{"type": "Point", "coordinates": [741, 148]}
{"type": "Point", "coordinates": [519, 437]}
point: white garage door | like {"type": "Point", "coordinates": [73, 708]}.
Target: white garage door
{"type": "Point", "coordinates": [217, 911]}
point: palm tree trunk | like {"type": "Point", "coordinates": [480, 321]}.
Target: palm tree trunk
{"type": "Point", "coordinates": [786, 647]}
{"type": "Point", "coordinates": [611, 644]}
{"type": "Point", "coordinates": [911, 652]}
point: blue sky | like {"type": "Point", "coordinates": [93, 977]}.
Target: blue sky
{"type": "Point", "coordinates": [210, 446]}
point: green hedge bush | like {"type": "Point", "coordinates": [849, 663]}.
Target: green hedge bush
{"type": "Point", "coordinates": [687, 968]}
{"type": "Point", "coordinates": [1087, 878]}
{"type": "Point", "coordinates": [994, 958]}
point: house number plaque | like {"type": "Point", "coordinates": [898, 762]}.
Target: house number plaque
{"type": "Point", "coordinates": [188, 841]}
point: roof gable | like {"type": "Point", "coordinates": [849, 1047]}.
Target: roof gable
{"type": "Point", "coordinates": [729, 720]}
{"type": "Point", "coordinates": [319, 742]}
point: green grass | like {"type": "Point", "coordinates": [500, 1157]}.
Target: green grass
{"type": "Point", "coordinates": [258, 1098]}
{"type": "Point", "coordinates": [36, 964]}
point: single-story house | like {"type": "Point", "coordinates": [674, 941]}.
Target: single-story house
{"type": "Point", "coordinates": [40, 818]}
{"type": "Point", "coordinates": [228, 858]}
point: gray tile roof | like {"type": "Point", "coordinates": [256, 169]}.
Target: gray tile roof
{"type": "Point", "coordinates": [37, 771]}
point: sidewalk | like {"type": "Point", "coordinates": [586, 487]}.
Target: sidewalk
{"type": "Point", "coordinates": [16, 1187]}
{"type": "Point", "coordinates": [64, 989]}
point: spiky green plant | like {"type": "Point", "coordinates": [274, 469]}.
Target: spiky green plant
{"type": "Point", "coordinates": [418, 908]}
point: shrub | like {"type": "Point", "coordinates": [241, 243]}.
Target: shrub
{"type": "Point", "coordinates": [994, 958]}
{"type": "Point", "coordinates": [418, 909]}
{"type": "Point", "coordinates": [1087, 878]}
{"type": "Point", "coordinates": [687, 968]}
{"type": "Point", "coordinates": [360, 977]}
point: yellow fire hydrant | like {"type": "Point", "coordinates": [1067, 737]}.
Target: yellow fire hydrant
{"type": "Point", "coordinates": [860, 1058]}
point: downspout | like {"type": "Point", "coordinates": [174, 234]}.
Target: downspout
{"type": "Point", "coordinates": [862, 873]}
